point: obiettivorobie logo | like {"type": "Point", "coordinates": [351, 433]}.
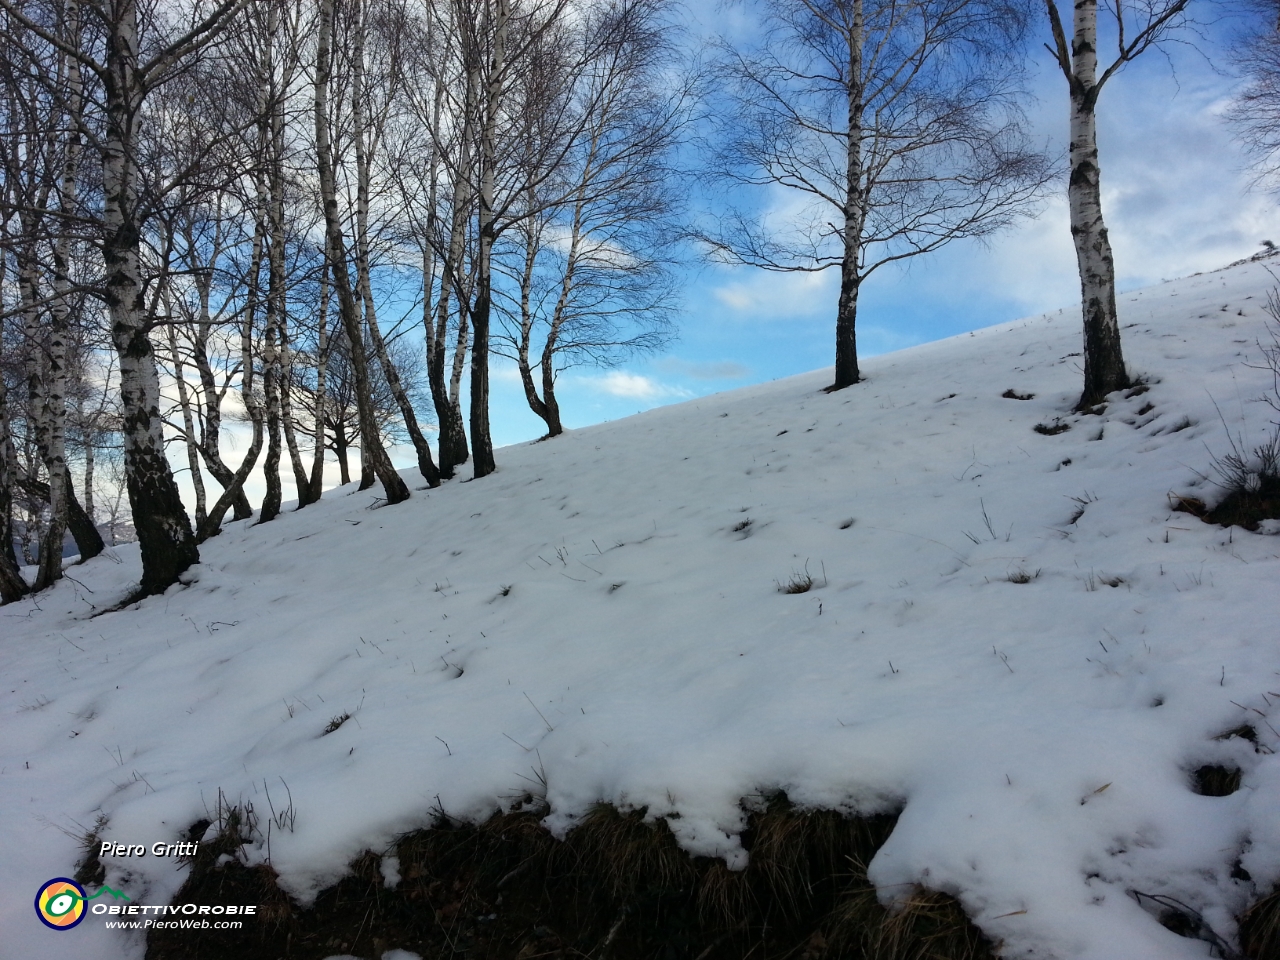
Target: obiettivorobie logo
{"type": "Point", "coordinates": [60, 902]}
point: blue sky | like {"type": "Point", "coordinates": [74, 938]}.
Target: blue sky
{"type": "Point", "coordinates": [1177, 199]}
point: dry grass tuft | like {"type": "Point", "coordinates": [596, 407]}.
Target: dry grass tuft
{"type": "Point", "coordinates": [799, 582]}
{"type": "Point", "coordinates": [617, 888]}
{"type": "Point", "coordinates": [927, 926]}
{"type": "Point", "coordinates": [1251, 482]}
{"type": "Point", "coordinates": [1052, 429]}
{"type": "Point", "coordinates": [1243, 732]}
{"type": "Point", "coordinates": [1215, 780]}
{"type": "Point", "coordinates": [1260, 929]}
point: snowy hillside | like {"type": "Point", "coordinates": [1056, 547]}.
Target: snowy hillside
{"type": "Point", "coordinates": [1009, 636]}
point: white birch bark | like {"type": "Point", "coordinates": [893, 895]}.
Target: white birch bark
{"type": "Point", "coordinates": [366, 142]}
{"type": "Point", "coordinates": [846, 370]}
{"type": "Point", "coordinates": [481, 442]}
{"type": "Point", "coordinates": [316, 480]}
{"type": "Point", "coordinates": [372, 450]}
{"type": "Point", "coordinates": [167, 543]}
{"type": "Point", "coordinates": [1104, 369]}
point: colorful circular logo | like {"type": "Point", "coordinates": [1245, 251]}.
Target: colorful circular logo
{"type": "Point", "coordinates": [60, 903]}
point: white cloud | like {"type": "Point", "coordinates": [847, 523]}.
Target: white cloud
{"type": "Point", "coordinates": [634, 386]}
{"type": "Point", "coordinates": [501, 371]}
{"type": "Point", "coordinates": [778, 295]}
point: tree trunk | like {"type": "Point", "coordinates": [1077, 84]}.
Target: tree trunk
{"type": "Point", "coordinates": [340, 449]}
{"type": "Point", "coordinates": [167, 543]}
{"type": "Point", "coordinates": [367, 476]}
{"type": "Point", "coordinates": [481, 442]}
{"type": "Point", "coordinates": [454, 450]}
{"type": "Point", "coordinates": [188, 427]}
{"type": "Point", "coordinates": [271, 392]}
{"type": "Point", "coordinates": [532, 240]}
{"type": "Point", "coordinates": [453, 435]}
{"type": "Point", "coordinates": [211, 435]}
{"type": "Point", "coordinates": [300, 479]}
{"type": "Point", "coordinates": [235, 482]}
{"type": "Point", "coordinates": [550, 404]}
{"type": "Point", "coordinates": [364, 150]}
{"type": "Point", "coordinates": [847, 372]}
{"type": "Point", "coordinates": [461, 342]}
{"type": "Point", "coordinates": [40, 366]}
{"type": "Point", "coordinates": [89, 457]}
{"type": "Point", "coordinates": [316, 482]}
{"type": "Point", "coordinates": [55, 399]}
{"type": "Point", "coordinates": [482, 462]}
{"type": "Point", "coordinates": [370, 442]}
{"type": "Point", "coordinates": [549, 407]}
{"type": "Point", "coordinates": [12, 586]}
{"type": "Point", "coordinates": [1104, 369]}
{"type": "Point", "coordinates": [213, 524]}
{"type": "Point", "coordinates": [452, 442]}
{"type": "Point", "coordinates": [426, 465]}
{"type": "Point", "coordinates": [272, 140]}
{"type": "Point", "coordinates": [88, 540]}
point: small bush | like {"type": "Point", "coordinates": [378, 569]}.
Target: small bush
{"type": "Point", "coordinates": [1251, 483]}
{"type": "Point", "coordinates": [799, 583]}
{"type": "Point", "coordinates": [335, 723]}
{"type": "Point", "coordinates": [1022, 576]}
{"type": "Point", "coordinates": [1012, 394]}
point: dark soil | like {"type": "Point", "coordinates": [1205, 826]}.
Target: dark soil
{"type": "Point", "coordinates": [615, 889]}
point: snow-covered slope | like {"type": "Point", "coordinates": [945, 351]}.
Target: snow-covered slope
{"type": "Point", "coordinates": [603, 617]}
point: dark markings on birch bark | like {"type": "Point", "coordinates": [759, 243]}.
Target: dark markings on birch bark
{"type": "Point", "coordinates": [371, 447]}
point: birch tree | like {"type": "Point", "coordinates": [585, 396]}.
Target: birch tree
{"type": "Point", "coordinates": [587, 257]}
{"type": "Point", "coordinates": [893, 123]}
{"type": "Point", "coordinates": [12, 585]}
{"type": "Point", "coordinates": [129, 58]}
{"type": "Point", "coordinates": [1138, 27]}
{"type": "Point", "coordinates": [1255, 111]}
{"type": "Point", "coordinates": [372, 448]}
{"type": "Point", "coordinates": [432, 168]}
{"type": "Point", "coordinates": [369, 117]}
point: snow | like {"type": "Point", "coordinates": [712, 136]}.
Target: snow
{"type": "Point", "coordinates": [594, 624]}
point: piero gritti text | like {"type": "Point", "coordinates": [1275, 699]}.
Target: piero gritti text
{"type": "Point", "coordinates": [184, 848]}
